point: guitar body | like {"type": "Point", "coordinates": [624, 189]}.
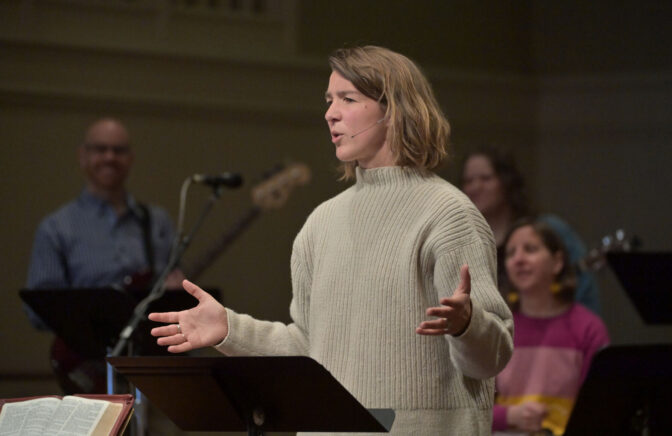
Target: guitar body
{"type": "Point", "coordinates": [77, 374]}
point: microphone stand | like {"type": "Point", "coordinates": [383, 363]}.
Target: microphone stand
{"type": "Point", "coordinates": [158, 289]}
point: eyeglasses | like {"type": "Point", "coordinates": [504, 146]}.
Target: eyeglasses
{"type": "Point", "coordinates": [117, 150]}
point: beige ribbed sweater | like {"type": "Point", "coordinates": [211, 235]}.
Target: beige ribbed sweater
{"type": "Point", "coordinates": [365, 267]}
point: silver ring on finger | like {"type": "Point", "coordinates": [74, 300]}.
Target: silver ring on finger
{"type": "Point", "coordinates": [179, 329]}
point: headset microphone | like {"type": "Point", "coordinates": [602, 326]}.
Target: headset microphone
{"type": "Point", "coordinates": [370, 127]}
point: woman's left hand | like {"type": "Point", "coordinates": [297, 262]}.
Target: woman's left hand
{"type": "Point", "coordinates": [454, 314]}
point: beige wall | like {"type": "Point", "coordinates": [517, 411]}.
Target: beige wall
{"type": "Point", "coordinates": [606, 140]}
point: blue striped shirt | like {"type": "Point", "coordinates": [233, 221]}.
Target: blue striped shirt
{"type": "Point", "coordinates": [86, 244]}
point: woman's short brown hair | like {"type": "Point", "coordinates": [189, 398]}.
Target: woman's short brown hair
{"type": "Point", "coordinates": [418, 131]}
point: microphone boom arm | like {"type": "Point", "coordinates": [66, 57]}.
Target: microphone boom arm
{"type": "Point", "coordinates": [180, 246]}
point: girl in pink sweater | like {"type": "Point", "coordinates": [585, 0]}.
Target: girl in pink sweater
{"type": "Point", "coordinates": [555, 338]}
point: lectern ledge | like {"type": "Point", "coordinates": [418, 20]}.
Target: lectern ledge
{"type": "Point", "coordinates": [257, 394]}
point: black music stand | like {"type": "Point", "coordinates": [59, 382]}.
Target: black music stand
{"type": "Point", "coordinates": [628, 391]}
{"type": "Point", "coordinates": [257, 394]}
{"type": "Point", "coordinates": [89, 319]}
{"type": "Point", "coordinates": [647, 279]}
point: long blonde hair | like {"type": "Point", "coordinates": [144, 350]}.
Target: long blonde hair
{"type": "Point", "coordinates": [418, 132]}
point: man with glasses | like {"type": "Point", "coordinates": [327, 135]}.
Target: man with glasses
{"type": "Point", "coordinates": [104, 237]}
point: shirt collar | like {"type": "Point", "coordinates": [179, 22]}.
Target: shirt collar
{"type": "Point", "coordinates": [89, 200]}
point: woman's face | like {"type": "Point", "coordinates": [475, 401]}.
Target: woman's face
{"type": "Point", "coordinates": [530, 265]}
{"type": "Point", "coordinates": [357, 125]}
{"type": "Point", "coordinates": [482, 185]}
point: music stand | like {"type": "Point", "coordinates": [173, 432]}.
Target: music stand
{"type": "Point", "coordinates": [628, 391]}
{"type": "Point", "coordinates": [257, 394]}
{"type": "Point", "coordinates": [89, 319]}
{"type": "Point", "coordinates": [647, 280]}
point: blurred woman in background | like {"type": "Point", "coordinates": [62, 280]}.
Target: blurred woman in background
{"type": "Point", "coordinates": [555, 337]}
{"type": "Point", "coordinates": [491, 179]}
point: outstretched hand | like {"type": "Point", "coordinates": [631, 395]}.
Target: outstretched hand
{"type": "Point", "coordinates": [526, 416]}
{"type": "Point", "coordinates": [454, 314]}
{"type": "Point", "coordinates": [202, 326]}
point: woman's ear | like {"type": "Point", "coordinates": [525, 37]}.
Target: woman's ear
{"type": "Point", "coordinates": [558, 262]}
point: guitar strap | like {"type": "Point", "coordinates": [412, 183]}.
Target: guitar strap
{"type": "Point", "coordinates": [146, 224]}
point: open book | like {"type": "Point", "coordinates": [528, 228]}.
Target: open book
{"type": "Point", "coordinates": [96, 415]}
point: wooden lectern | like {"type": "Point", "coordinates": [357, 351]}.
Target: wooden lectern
{"type": "Point", "coordinates": [257, 394]}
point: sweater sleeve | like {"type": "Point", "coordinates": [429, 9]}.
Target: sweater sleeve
{"type": "Point", "coordinates": [595, 337]}
{"type": "Point", "coordinates": [47, 267]}
{"type": "Point", "coordinates": [251, 337]}
{"type": "Point", "coordinates": [499, 418]}
{"type": "Point", "coordinates": [485, 347]}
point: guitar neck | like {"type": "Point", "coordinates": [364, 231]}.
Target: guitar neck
{"type": "Point", "coordinates": [193, 271]}
{"type": "Point", "coordinates": [270, 194]}
{"type": "Point", "coordinates": [596, 259]}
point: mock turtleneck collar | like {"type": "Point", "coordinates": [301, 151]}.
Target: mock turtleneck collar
{"type": "Point", "coordinates": [388, 175]}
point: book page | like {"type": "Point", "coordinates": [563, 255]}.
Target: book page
{"type": "Point", "coordinates": [76, 417]}
{"type": "Point", "coordinates": [30, 417]}
{"type": "Point", "coordinates": [108, 419]}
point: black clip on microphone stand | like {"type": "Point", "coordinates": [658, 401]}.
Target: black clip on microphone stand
{"type": "Point", "coordinates": [139, 313]}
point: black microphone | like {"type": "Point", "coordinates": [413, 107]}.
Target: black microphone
{"type": "Point", "coordinates": [370, 127]}
{"type": "Point", "coordinates": [230, 180]}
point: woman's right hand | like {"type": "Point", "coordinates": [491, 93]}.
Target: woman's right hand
{"type": "Point", "coordinates": [526, 416]}
{"type": "Point", "coordinates": [202, 326]}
